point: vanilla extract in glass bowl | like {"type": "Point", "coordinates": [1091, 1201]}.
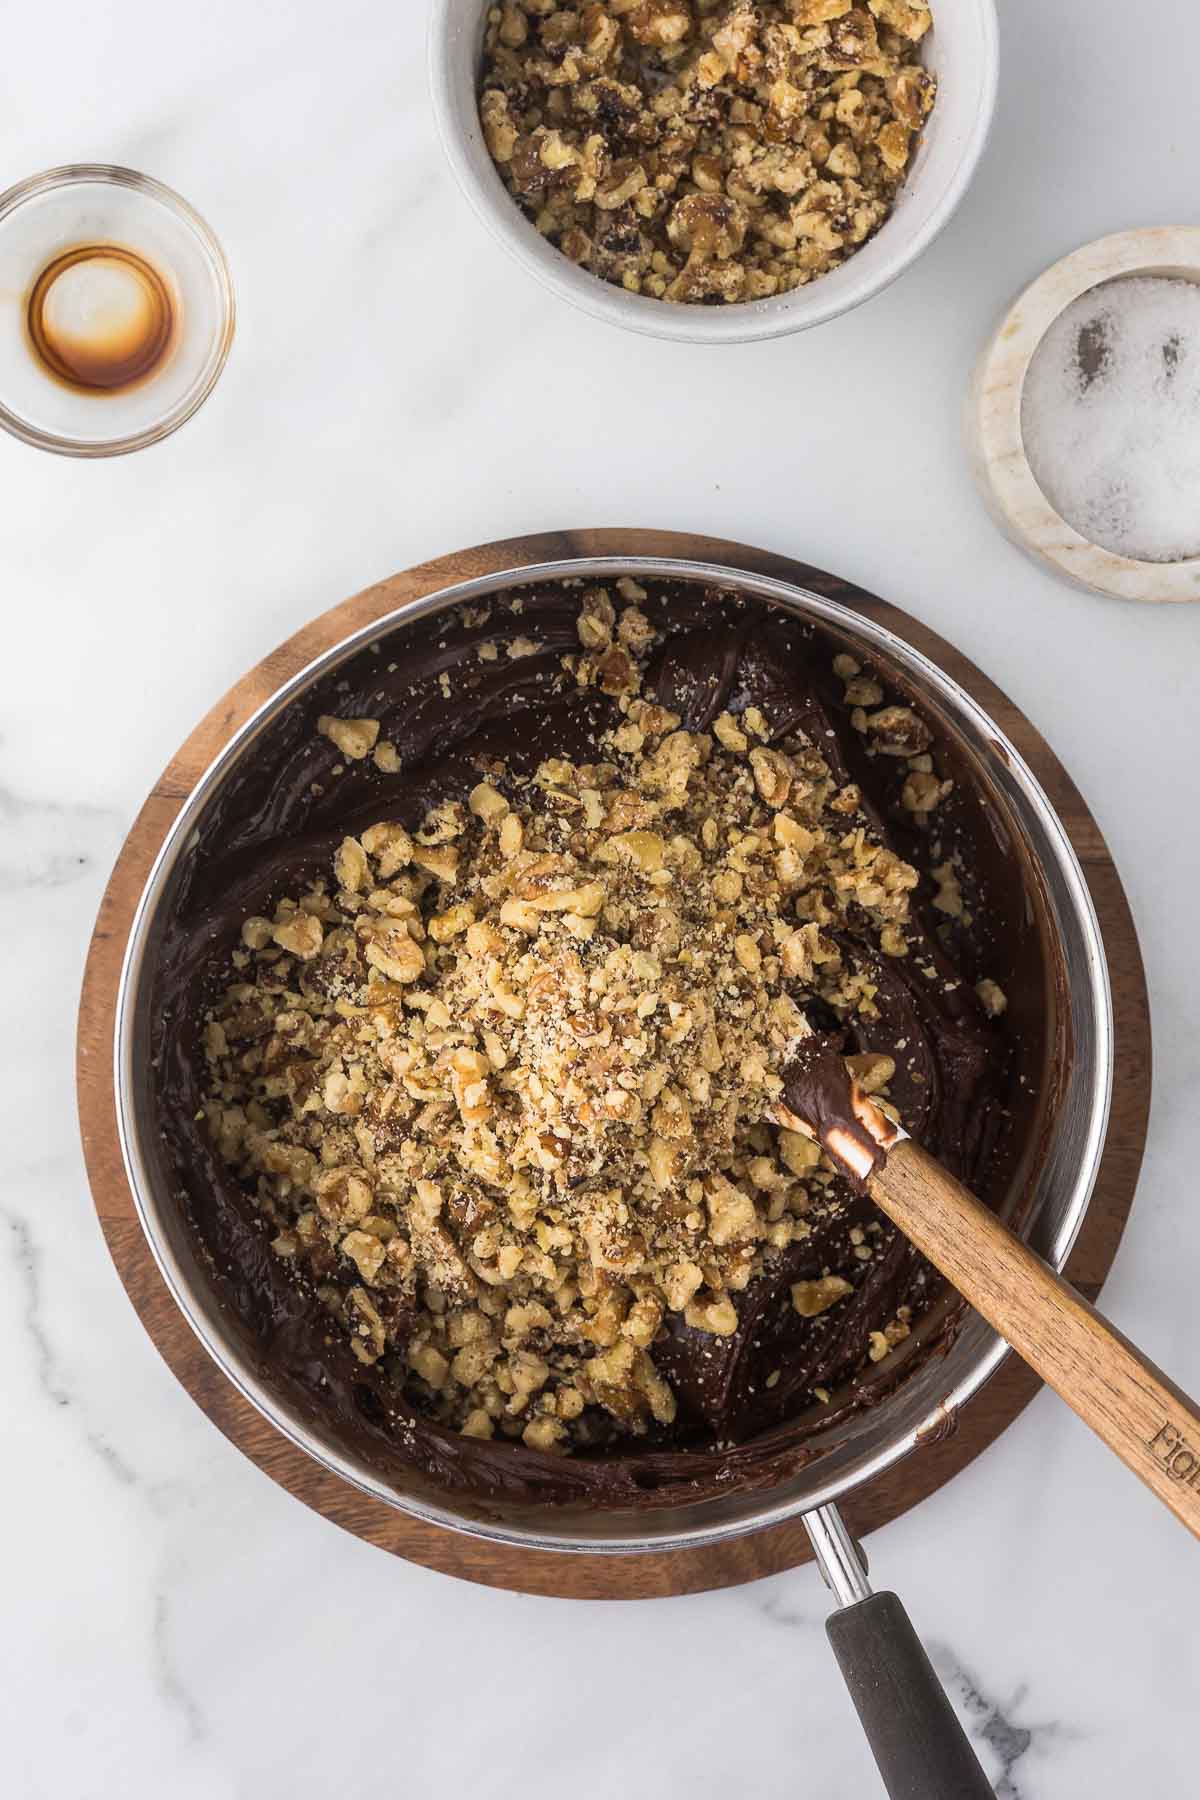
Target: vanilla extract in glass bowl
{"type": "Point", "coordinates": [116, 310]}
{"type": "Point", "coordinates": [101, 318]}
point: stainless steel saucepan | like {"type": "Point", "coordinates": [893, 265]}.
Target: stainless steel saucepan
{"type": "Point", "coordinates": [920, 1748]}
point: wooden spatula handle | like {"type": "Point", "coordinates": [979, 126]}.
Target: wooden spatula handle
{"type": "Point", "coordinates": [1153, 1426]}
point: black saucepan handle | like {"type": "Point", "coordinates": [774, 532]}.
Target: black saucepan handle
{"type": "Point", "coordinates": [922, 1751]}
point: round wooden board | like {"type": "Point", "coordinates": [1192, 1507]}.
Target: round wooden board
{"type": "Point", "coordinates": [586, 1577]}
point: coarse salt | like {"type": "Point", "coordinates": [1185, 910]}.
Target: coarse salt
{"type": "Point", "coordinates": [1110, 417]}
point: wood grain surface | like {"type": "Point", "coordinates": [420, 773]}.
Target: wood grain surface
{"type": "Point", "coordinates": [1152, 1425]}
{"type": "Point", "coordinates": [595, 1577]}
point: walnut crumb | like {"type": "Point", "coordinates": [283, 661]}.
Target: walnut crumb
{"type": "Point", "coordinates": [992, 998]}
{"type": "Point", "coordinates": [355, 738]}
{"type": "Point", "coordinates": [811, 1298]}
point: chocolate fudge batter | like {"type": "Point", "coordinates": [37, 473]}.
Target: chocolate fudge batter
{"type": "Point", "coordinates": [749, 1403]}
{"type": "Point", "coordinates": [819, 1090]}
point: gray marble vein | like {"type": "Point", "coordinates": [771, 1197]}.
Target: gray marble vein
{"type": "Point", "coordinates": [996, 1726]}
{"type": "Point", "coordinates": [780, 1607]}
{"type": "Point", "coordinates": [26, 1259]}
{"type": "Point", "coordinates": [51, 844]}
{"type": "Point", "coordinates": [166, 1671]}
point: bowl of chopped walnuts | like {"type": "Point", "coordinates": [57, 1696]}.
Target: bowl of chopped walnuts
{"type": "Point", "coordinates": [714, 171]}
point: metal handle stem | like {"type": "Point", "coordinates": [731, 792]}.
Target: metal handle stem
{"type": "Point", "coordinates": [839, 1559]}
{"type": "Point", "coordinates": [920, 1747]}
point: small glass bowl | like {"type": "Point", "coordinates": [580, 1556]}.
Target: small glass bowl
{"type": "Point", "coordinates": [94, 203]}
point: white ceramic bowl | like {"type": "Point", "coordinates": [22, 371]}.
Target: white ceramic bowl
{"type": "Point", "coordinates": [961, 49]}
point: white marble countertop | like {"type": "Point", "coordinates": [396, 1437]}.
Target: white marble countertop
{"type": "Point", "coordinates": [172, 1621]}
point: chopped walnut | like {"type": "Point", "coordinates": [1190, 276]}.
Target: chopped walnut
{"type": "Point", "coordinates": [705, 151]}
{"type": "Point", "coordinates": [921, 792]}
{"type": "Point", "coordinates": [355, 738]}
{"type": "Point", "coordinates": [301, 934]}
{"type": "Point", "coordinates": [897, 731]}
{"type": "Point", "coordinates": [992, 998]}
{"type": "Point", "coordinates": [811, 1298]}
{"type": "Point", "coordinates": [503, 1084]}
{"type": "Point", "coordinates": [949, 898]}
